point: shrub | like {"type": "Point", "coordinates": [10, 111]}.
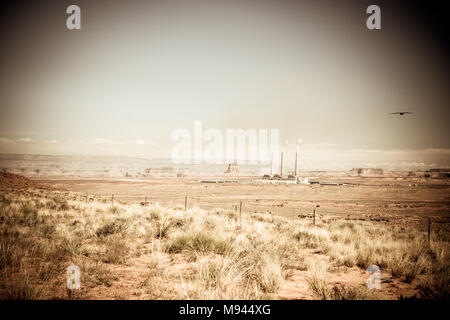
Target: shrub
{"type": "Point", "coordinates": [109, 228]}
{"type": "Point", "coordinates": [163, 227]}
{"type": "Point", "coordinates": [73, 246]}
{"type": "Point", "coordinates": [29, 208]}
{"type": "Point", "coordinates": [199, 241]}
{"type": "Point", "coordinates": [316, 279]}
{"type": "Point", "coordinates": [48, 230]}
{"type": "Point", "coordinates": [60, 203]}
{"type": "Point", "coordinates": [307, 239]}
{"type": "Point", "coordinates": [341, 292]}
{"type": "Point", "coordinates": [365, 256]}
{"type": "Point", "coordinates": [319, 287]}
{"type": "Point", "coordinates": [7, 250]}
{"type": "Point", "coordinates": [436, 284]}
{"type": "Point", "coordinates": [114, 209]}
{"type": "Point", "coordinates": [96, 274]}
{"type": "Point", "coordinates": [51, 204]}
{"type": "Point", "coordinates": [155, 215]}
{"type": "Point", "coordinates": [263, 263]}
{"type": "Point", "coordinates": [269, 276]}
{"type": "Point", "coordinates": [23, 288]}
{"type": "Point", "coordinates": [116, 251]}
{"type": "Point", "coordinates": [5, 199]}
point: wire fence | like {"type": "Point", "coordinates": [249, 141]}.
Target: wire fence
{"type": "Point", "coordinates": [284, 207]}
{"type": "Point", "coordinates": [291, 208]}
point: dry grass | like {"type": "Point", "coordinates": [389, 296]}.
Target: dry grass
{"type": "Point", "coordinates": [198, 254]}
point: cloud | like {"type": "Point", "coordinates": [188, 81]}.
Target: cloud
{"type": "Point", "coordinates": [5, 140]}
{"type": "Point", "coordinates": [20, 133]}
{"type": "Point", "coordinates": [389, 159]}
{"type": "Point", "coordinates": [52, 141]}
{"type": "Point", "coordinates": [104, 141]}
{"type": "Point", "coordinates": [146, 142]}
{"type": "Point", "coordinates": [139, 141]}
{"type": "Point", "coordinates": [24, 140]}
{"type": "Point", "coordinates": [321, 145]}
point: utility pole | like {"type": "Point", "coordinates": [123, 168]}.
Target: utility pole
{"type": "Point", "coordinates": [240, 212]}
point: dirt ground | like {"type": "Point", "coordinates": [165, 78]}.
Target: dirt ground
{"type": "Point", "coordinates": [381, 201]}
{"type": "Point", "coordinates": [390, 201]}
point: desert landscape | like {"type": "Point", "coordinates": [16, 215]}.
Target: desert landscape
{"type": "Point", "coordinates": [272, 152]}
{"type": "Point", "coordinates": [222, 237]}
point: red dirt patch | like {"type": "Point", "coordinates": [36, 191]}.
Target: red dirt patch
{"type": "Point", "coordinates": [15, 181]}
{"type": "Point", "coordinates": [296, 287]}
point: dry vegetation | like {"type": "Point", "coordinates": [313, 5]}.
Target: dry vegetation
{"type": "Point", "coordinates": [130, 251]}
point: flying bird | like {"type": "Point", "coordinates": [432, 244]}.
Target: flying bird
{"type": "Point", "coordinates": [401, 112]}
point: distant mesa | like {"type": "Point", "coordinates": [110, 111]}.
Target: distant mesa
{"type": "Point", "coordinates": [438, 173]}
{"type": "Point", "coordinates": [185, 172]}
{"type": "Point", "coordinates": [233, 168]}
{"type": "Point", "coordinates": [159, 170]}
{"type": "Point", "coordinates": [167, 171]}
{"type": "Point", "coordinates": [440, 170]}
{"type": "Point", "coordinates": [42, 166]}
{"type": "Point", "coordinates": [366, 172]}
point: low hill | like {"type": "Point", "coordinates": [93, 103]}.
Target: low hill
{"type": "Point", "coordinates": [15, 181]}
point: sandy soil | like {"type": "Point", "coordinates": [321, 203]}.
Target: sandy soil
{"type": "Point", "coordinates": [378, 200]}
{"type": "Point", "coordinates": [408, 202]}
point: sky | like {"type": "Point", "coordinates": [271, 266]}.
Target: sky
{"type": "Point", "coordinates": [138, 70]}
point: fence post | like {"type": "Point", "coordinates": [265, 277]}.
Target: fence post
{"type": "Point", "coordinates": [145, 202]}
{"type": "Point", "coordinates": [240, 211]}
{"type": "Point", "coordinates": [185, 203]}
{"type": "Point", "coordinates": [314, 217]}
{"type": "Point", "coordinates": [112, 199]}
{"type": "Point", "coordinates": [86, 197]}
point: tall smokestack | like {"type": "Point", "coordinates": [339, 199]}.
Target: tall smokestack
{"type": "Point", "coordinates": [299, 141]}
{"type": "Point", "coordinates": [296, 161]}
{"type": "Point", "coordinates": [281, 169]}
